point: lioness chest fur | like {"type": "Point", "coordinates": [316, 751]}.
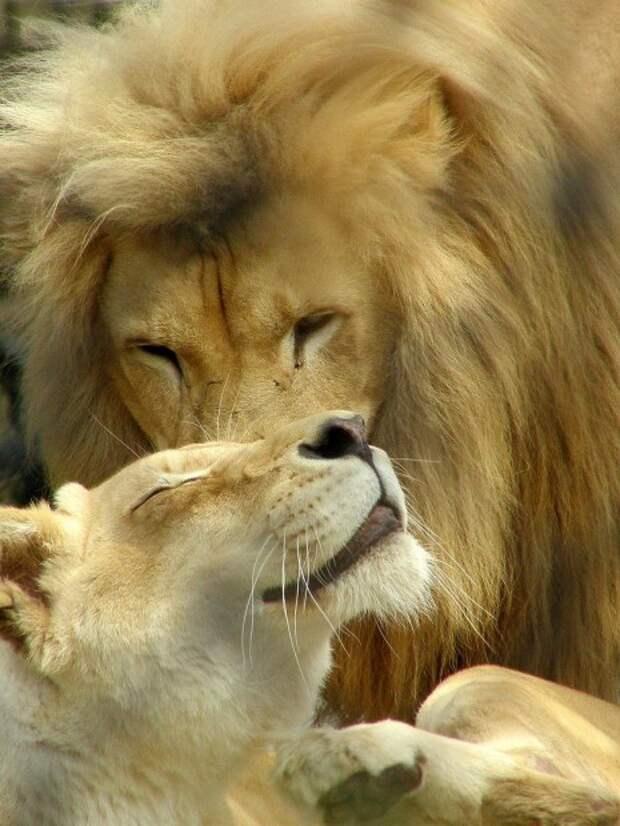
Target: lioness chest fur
{"type": "Point", "coordinates": [166, 626]}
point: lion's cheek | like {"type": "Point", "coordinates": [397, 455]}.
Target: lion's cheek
{"type": "Point", "coordinates": [154, 402]}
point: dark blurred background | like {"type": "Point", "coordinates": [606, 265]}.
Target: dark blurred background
{"type": "Point", "coordinates": [13, 13]}
{"type": "Point", "coordinates": [21, 477]}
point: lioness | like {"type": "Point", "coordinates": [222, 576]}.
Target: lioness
{"type": "Point", "coordinates": [164, 626]}
{"type": "Point", "coordinates": [162, 630]}
{"type": "Point", "coordinates": [219, 214]}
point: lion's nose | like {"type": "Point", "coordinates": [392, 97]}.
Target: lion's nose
{"type": "Point", "coordinates": [338, 438]}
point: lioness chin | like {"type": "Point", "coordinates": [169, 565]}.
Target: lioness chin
{"type": "Point", "coordinates": [163, 627]}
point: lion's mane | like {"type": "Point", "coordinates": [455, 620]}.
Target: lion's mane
{"type": "Point", "coordinates": [448, 144]}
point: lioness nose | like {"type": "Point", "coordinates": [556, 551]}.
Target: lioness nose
{"type": "Point", "coordinates": [339, 438]}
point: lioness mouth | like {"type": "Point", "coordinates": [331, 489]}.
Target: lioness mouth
{"type": "Point", "coordinates": [381, 521]}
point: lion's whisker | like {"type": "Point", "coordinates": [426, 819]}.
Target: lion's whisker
{"type": "Point", "coordinates": [219, 406]}
{"type": "Point", "coordinates": [307, 565]}
{"type": "Point", "coordinates": [117, 438]}
{"type": "Point", "coordinates": [195, 422]}
{"type": "Point", "coordinates": [231, 426]}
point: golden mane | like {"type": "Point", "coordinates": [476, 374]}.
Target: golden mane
{"type": "Point", "coordinates": [446, 142]}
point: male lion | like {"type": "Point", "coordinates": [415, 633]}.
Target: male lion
{"type": "Point", "coordinates": [171, 628]}
{"type": "Point", "coordinates": [218, 215]}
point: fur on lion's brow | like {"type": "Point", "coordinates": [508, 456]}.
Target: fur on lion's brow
{"type": "Point", "coordinates": [174, 143]}
{"type": "Point", "coordinates": [445, 138]}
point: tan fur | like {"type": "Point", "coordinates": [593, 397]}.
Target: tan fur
{"type": "Point", "coordinates": [492, 747]}
{"type": "Point", "coordinates": [439, 176]}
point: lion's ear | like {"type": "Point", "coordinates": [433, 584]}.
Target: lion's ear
{"type": "Point", "coordinates": [476, 50]}
{"type": "Point", "coordinates": [27, 539]}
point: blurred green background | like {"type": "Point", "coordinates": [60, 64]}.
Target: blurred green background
{"type": "Point", "coordinates": [13, 12]}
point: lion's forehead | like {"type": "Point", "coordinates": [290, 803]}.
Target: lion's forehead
{"type": "Point", "coordinates": [279, 265]}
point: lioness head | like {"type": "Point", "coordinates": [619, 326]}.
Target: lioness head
{"type": "Point", "coordinates": [212, 572]}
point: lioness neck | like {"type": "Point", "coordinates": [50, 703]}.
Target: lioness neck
{"type": "Point", "coordinates": [83, 758]}
{"type": "Point", "coordinates": [95, 765]}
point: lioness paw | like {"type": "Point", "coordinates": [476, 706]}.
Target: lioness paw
{"type": "Point", "coordinates": [352, 775]}
{"type": "Point", "coordinates": [366, 797]}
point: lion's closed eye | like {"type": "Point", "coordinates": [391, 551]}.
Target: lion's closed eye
{"type": "Point", "coordinates": [161, 352]}
{"type": "Point", "coordinates": [310, 332]}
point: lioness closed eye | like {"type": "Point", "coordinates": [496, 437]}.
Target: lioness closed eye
{"type": "Point", "coordinates": [163, 626]}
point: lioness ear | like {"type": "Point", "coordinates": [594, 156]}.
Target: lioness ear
{"type": "Point", "coordinates": [27, 540]}
{"type": "Point", "coordinates": [72, 499]}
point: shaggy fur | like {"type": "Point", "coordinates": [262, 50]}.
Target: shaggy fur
{"type": "Point", "coordinates": [468, 157]}
{"type": "Point", "coordinates": [491, 746]}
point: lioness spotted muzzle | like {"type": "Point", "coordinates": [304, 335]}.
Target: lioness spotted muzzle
{"type": "Point", "coordinates": [338, 439]}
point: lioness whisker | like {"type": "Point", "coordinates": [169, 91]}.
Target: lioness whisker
{"type": "Point", "coordinates": [465, 608]}
{"type": "Point", "coordinates": [253, 423]}
{"type": "Point", "coordinates": [329, 561]}
{"type": "Point", "coordinates": [416, 461]}
{"type": "Point", "coordinates": [464, 600]}
{"type": "Point", "coordinates": [403, 474]}
{"type": "Point", "coordinates": [337, 634]}
{"type": "Point", "coordinates": [384, 637]}
{"type": "Point", "coordinates": [297, 590]}
{"type": "Point", "coordinates": [249, 606]}
{"type": "Point", "coordinates": [288, 624]}
{"type": "Point", "coordinates": [320, 550]}
{"type": "Point", "coordinates": [306, 579]}
{"type": "Point", "coordinates": [433, 538]}
{"type": "Point", "coordinates": [241, 437]}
